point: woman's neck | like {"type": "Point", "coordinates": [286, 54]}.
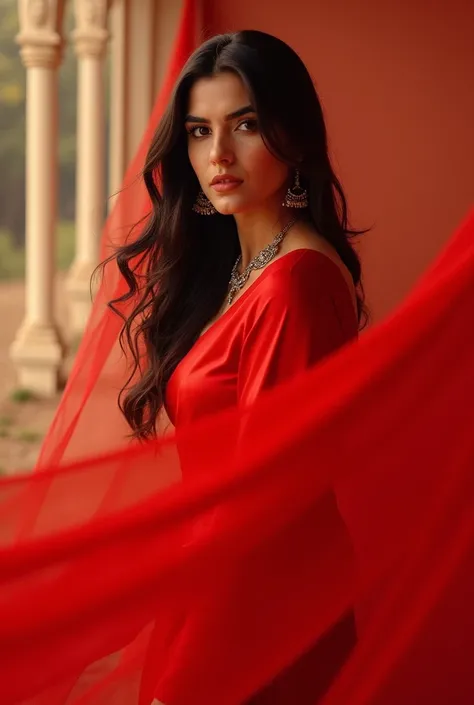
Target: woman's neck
{"type": "Point", "coordinates": [257, 229]}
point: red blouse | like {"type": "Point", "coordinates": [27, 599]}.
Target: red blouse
{"type": "Point", "coordinates": [298, 311]}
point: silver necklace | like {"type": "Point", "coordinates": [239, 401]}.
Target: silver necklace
{"type": "Point", "coordinates": [237, 281]}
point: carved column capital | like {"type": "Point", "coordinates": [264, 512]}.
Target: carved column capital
{"type": "Point", "coordinates": [91, 34]}
{"type": "Point", "coordinates": [40, 36]}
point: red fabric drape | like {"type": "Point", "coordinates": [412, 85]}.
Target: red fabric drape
{"type": "Point", "coordinates": [96, 554]}
{"type": "Point", "coordinates": [100, 547]}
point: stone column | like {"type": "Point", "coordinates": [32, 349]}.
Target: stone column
{"type": "Point", "coordinates": [140, 69]}
{"type": "Point", "coordinates": [37, 350]}
{"type": "Point", "coordinates": [117, 112]}
{"type": "Point", "coordinates": [90, 38]}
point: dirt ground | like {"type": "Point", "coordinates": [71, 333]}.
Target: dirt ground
{"type": "Point", "coordinates": [23, 420]}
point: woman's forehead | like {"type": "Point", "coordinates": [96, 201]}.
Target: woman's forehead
{"type": "Point", "coordinates": [218, 95]}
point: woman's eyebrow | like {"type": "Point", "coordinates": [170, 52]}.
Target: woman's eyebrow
{"type": "Point", "coordinates": [231, 116]}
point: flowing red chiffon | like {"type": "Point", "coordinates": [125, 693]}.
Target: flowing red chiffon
{"type": "Point", "coordinates": [103, 548]}
{"type": "Point", "coordinates": [97, 554]}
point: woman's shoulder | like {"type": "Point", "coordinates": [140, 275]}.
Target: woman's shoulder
{"type": "Point", "coordinates": [308, 269]}
{"type": "Point", "coordinates": [303, 290]}
{"type": "Point", "coordinates": [303, 280]}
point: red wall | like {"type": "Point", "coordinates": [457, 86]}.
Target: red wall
{"type": "Point", "coordinates": [396, 78]}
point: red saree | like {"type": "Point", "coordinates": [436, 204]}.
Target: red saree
{"type": "Point", "coordinates": [106, 548]}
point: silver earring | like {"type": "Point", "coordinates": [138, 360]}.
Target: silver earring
{"type": "Point", "coordinates": [296, 196]}
{"type": "Point", "coordinates": [203, 206]}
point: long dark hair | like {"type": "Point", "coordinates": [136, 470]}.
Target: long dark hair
{"type": "Point", "coordinates": [178, 269]}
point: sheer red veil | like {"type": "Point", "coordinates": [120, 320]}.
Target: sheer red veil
{"type": "Point", "coordinates": [104, 545]}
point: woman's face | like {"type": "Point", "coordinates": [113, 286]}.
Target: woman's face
{"type": "Point", "coordinates": [234, 168]}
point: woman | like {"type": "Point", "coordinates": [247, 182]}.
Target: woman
{"type": "Point", "coordinates": [246, 181]}
{"type": "Point", "coordinates": [250, 279]}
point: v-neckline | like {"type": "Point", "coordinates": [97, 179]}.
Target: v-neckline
{"type": "Point", "coordinates": [232, 310]}
{"type": "Point", "coordinates": [252, 287]}
{"type": "Point", "coordinates": [268, 269]}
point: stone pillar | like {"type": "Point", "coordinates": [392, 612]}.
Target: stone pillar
{"type": "Point", "coordinates": [140, 69]}
{"type": "Point", "coordinates": [90, 38]}
{"type": "Point", "coordinates": [37, 350]}
{"type": "Point", "coordinates": [117, 112]}
{"type": "Point", "coordinates": [132, 80]}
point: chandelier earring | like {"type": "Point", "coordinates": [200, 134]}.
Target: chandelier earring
{"type": "Point", "coordinates": [296, 196]}
{"type": "Point", "coordinates": [203, 206]}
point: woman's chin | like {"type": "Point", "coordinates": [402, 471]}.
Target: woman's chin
{"type": "Point", "coordinates": [227, 208]}
{"type": "Point", "coordinates": [231, 206]}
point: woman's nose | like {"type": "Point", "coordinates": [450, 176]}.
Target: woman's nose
{"type": "Point", "coordinates": [221, 151]}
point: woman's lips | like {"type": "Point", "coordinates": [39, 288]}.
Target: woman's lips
{"type": "Point", "coordinates": [224, 186]}
{"type": "Point", "coordinates": [224, 183]}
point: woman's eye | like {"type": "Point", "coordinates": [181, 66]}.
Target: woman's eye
{"type": "Point", "coordinates": [198, 131]}
{"type": "Point", "coordinates": [248, 125]}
